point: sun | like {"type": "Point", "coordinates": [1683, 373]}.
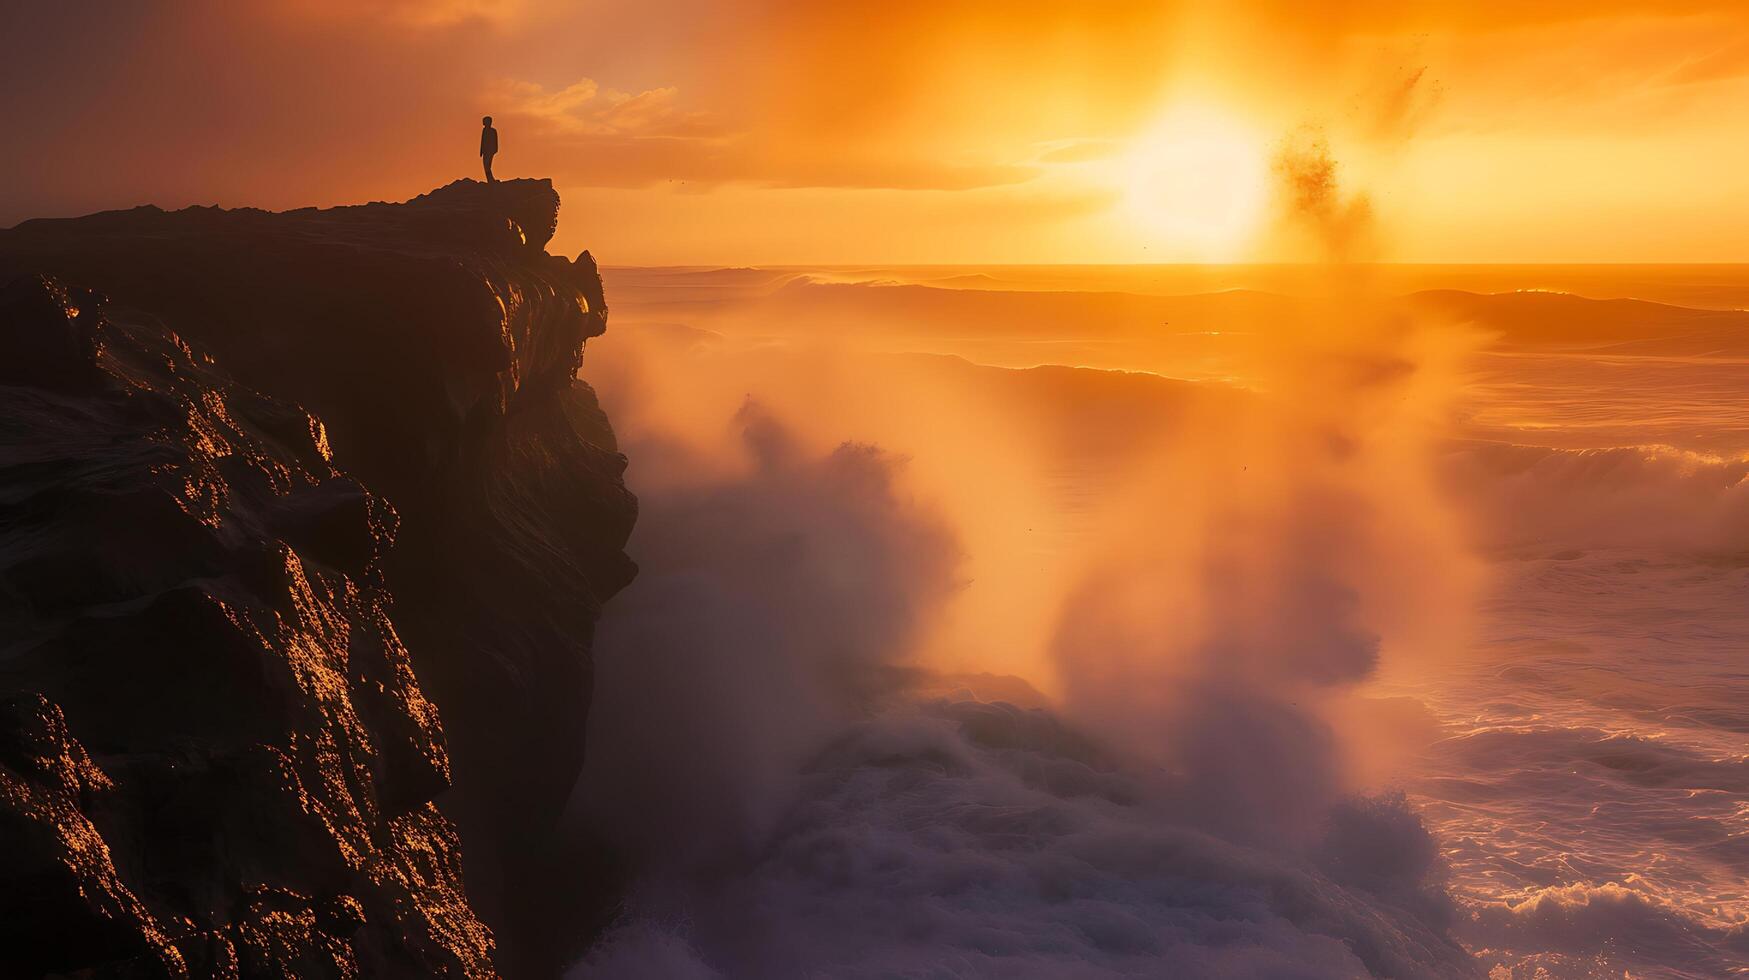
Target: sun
{"type": "Point", "coordinates": [1195, 186]}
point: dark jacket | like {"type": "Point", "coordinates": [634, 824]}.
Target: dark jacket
{"type": "Point", "coordinates": [488, 141]}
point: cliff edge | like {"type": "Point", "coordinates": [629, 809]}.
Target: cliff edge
{"type": "Point", "coordinates": [303, 518]}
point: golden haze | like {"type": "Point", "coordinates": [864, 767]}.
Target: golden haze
{"type": "Point", "coordinates": [969, 131]}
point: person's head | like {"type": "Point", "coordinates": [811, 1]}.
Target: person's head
{"type": "Point", "coordinates": [486, 121]}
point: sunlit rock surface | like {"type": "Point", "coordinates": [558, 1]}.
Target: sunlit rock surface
{"type": "Point", "coordinates": [234, 444]}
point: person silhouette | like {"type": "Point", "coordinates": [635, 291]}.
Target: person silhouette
{"type": "Point", "coordinates": [488, 147]}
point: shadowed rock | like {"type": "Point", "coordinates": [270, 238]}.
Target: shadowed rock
{"type": "Point", "coordinates": [196, 574]}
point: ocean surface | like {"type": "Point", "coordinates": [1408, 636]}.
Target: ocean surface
{"type": "Point", "coordinates": [1191, 621]}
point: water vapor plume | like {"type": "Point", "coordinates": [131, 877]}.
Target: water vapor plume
{"type": "Point", "coordinates": [767, 607]}
{"type": "Point", "coordinates": [802, 734]}
{"type": "Point", "coordinates": [1395, 106]}
{"type": "Point", "coordinates": [1314, 206]}
{"type": "Point", "coordinates": [1242, 597]}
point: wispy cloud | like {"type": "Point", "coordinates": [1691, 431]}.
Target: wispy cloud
{"type": "Point", "coordinates": [585, 108]}
{"type": "Point", "coordinates": [1079, 150]}
{"type": "Point", "coordinates": [623, 139]}
{"type": "Point", "coordinates": [414, 13]}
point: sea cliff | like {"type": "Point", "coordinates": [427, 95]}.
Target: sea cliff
{"type": "Point", "coordinates": [305, 522]}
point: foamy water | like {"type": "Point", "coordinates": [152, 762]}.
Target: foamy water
{"type": "Point", "coordinates": [1590, 781]}
{"type": "Point", "coordinates": [1583, 770]}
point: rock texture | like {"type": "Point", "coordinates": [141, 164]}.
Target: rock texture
{"type": "Point", "coordinates": [218, 752]}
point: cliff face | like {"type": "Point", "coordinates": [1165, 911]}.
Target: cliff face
{"type": "Point", "coordinates": [218, 754]}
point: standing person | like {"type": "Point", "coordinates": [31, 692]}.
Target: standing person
{"type": "Point", "coordinates": [488, 147]}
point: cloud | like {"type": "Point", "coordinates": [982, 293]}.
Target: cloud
{"type": "Point", "coordinates": [1727, 62]}
{"type": "Point", "coordinates": [1080, 151]}
{"type": "Point", "coordinates": [611, 138]}
{"type": "Point", "coordinates": [1370, 17]}
{"type": "Point", "coordinates": [421, 14]}
{"type": "Point", "coordinates": [585, 108]}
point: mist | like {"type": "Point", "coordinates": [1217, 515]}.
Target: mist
{"type": "Point", "coordinates": [990, 627]}
{"type": "Point", "coordinates": [903, 616]}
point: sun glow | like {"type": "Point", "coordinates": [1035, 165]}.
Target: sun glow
{"type": "Point", "coordinates": [1196, 185]}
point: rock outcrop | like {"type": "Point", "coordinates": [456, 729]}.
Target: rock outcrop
{"type": "Point", "coordinates": [277, 493]}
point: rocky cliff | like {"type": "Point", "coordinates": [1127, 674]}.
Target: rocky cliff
{"type": "Point", "coordinates": [278, 492]}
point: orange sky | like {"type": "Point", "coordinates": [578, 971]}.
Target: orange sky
{"type": "Point", "coordinates": [685, 131]}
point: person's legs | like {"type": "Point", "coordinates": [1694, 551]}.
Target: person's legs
{"type": "Point", "coordinates": [487, 159]}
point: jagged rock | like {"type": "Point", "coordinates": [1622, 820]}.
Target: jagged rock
{"type": "Point", "coordinates": [250, 717]}
{"type": "Point", "coordinates": [197, 573]}
{"type": "Point", "coordinates": [398, 324]}
{"type": "Point", "coordinates": [63, 904]}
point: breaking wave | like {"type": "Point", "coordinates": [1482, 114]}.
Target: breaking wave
{"type": "Point", "coordinates": [1238, 610]}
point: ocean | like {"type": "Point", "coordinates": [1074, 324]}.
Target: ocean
{"type": "Point", "coordinates": [1178, 621]}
